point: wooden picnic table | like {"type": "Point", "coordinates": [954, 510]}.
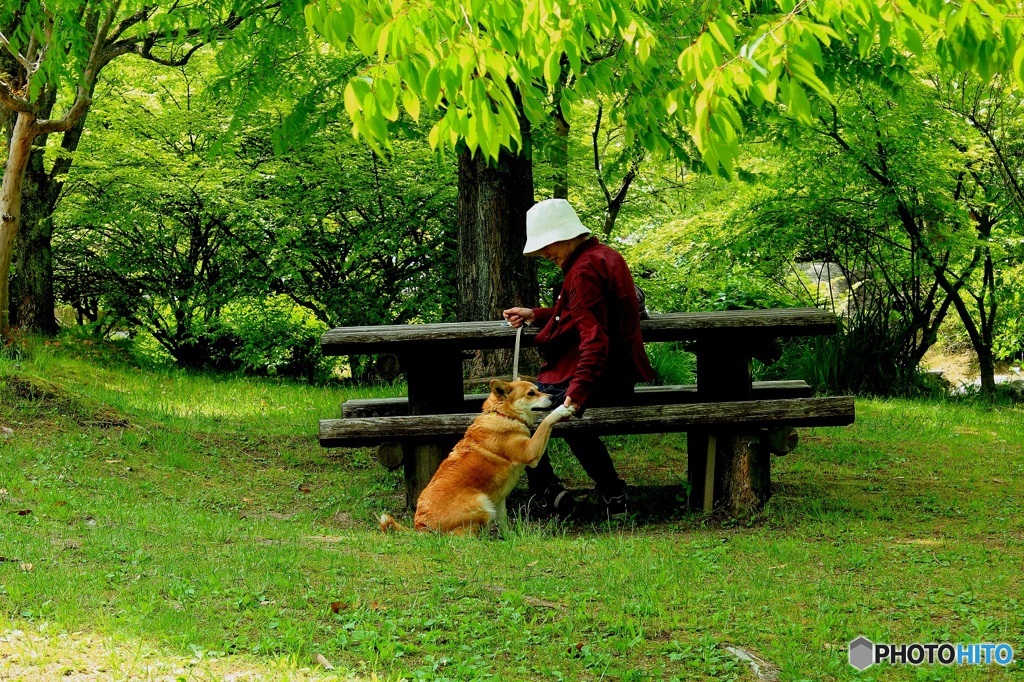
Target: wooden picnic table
{"type": "Point", "coordinates": [725, 342]}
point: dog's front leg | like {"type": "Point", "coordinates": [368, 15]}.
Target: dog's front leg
{"type": "Point", "coordinates": [539, 441]}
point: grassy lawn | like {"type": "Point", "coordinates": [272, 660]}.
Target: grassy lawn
{"type": "Point", "coordinates": [162, 524]}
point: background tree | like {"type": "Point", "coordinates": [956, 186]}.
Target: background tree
{"type": "Point", "coordinates": [174, 236]}
{"type": "Point", "coordinates": [150, 216]}
{"type": "Point", "coordinates": [938, 183]}
{"type": "Point", "coordinates": [53, 54]}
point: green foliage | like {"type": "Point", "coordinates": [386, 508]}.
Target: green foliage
{"type": "Point", "coordinates": [672, 364]}
{"type": "Point", "coordinates": [355, 238]}
{"type": "Point", "coordinates": [703, 261]}
{"type": "Point", "coordinates": [277, 338]}
{"type": "Point", "coordinates": [480, 64]}
{"type": "Point", "coordinates": [1009, 342]}
{"type": "Point", "coordinates": [202, 229]}
{"type": "Point", "coordinates": [868, 356]}
{"type": "Point", "coordinates": [892, 184]}
{"type": "Point", "coordinates": [158, 247]}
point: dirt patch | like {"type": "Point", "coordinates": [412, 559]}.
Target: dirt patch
{"type": "Point", "coordinates": [922, 542]}
{"type": "Point", "coordinates": [55, 399]}
{"type": "Point", "coordinates": [345, 521]}
{"type": "Point", "coordinates": [81, 657]}
{"type": "Point", "coordinates": [956, 368]}
{"type": "Point", "coordinates": [960, 368]}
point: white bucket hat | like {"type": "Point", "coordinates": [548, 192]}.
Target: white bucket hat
{"type": "Point", "coordinates": [550, 221]}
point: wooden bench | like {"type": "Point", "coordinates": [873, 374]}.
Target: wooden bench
{"type": "Point", "coordinates": [644, 395]}
{"type": "Point", "coordinates": [726, 415]}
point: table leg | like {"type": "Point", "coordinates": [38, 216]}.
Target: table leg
{"type": "Point", "coordinates": [709, 476]}
{"type": "Point", "coordinates": [435, 387]}
{"type": "Point", "coordinates": [729, 469]}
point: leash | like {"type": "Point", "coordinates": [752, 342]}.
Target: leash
{"type": "Point", "coordinates": [515, 361]}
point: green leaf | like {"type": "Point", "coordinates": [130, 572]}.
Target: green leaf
{"type": "Point", "coordinates": [552, 68]}
{"type": "Point", "coordinates": [387, 98]}
{"type": "Point", "coordinates": [644, 47]}
{"type": "Point", "coordinates": [799, 105]}
{"type": "Point", "coordinates": [912, 40]}
{"type": "Point", "coordinates": [362, 35]}
{"type": "Point", "coordinates": [352, 105]}
{"type": "Point", "coordinates": [411, 103]}
{"type": "Point", "coordinates": [382, 40]}
{"type": "Point", "coordinates": [723, 33]}
{"type": "Point", "coordinates": [573, 53]}
{"type": "Point", "coordinates": [804, 70]}
{"type": "Point", "coordinates": [342, 21]}
{"type": "Point", "coordinates": [1018, 65]}
{"type": "Point", "coordinates": [566, 106]}
{"type": "Point", "coordinates": [314, 21]}
{"type": "Point", "coordinates": [671, 103]}
{"type": "Point", "coordinates": [769, 89]}
{"type": "Point", "coordinates": [432, 86]}
{"type": "Point", "coordinates": [376, 123]}
{"type": "Point", "coordinates": [710, 156]}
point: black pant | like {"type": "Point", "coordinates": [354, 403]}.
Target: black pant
{"type": "Point", "coordinates": [587, 448]}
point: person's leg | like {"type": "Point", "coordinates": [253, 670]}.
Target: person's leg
{"type": "Point", "coordinates": [542, 476]}
{"type": "Point", "coordinates": [595, 460]}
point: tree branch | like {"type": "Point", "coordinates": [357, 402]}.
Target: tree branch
{"type": "Point", "coordinates": [25, 63]}
{"type": "Point", "coordinates": [12, 101]}
{"type": "Point", "coordinates": [126, 23]}
{"type": "Point", "coordinates": [83, 98]}
{"type": "Point", "coordinates": [597, 155]}
{"type": "Point", "coordinates": [142, 45]}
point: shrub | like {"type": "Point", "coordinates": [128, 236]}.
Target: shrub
{"type": "Point", "coordinates": [274, 337]}
{"type": "Point", "coordinates": [672, 365]}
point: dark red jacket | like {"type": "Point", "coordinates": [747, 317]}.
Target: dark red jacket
{"type": "Point", "coordinates": [591, 338]}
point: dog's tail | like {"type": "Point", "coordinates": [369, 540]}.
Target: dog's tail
{"type": "Point", "coordinates": [387, 523]}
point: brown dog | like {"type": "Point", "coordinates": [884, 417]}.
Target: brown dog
{"type": "Point", "coordinates": [469, 489]}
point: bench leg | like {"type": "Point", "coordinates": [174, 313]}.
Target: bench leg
{"type": "Point", "coordinates": [421, 461]}
{"type": "Point", "coordinates": [700, 479]}
{"type": "Point", "coordinates": [709, 475]}
{"type": "Point", "coordinates": [746, 479]}
{"type": "Point", "coordinates": [728, 471]}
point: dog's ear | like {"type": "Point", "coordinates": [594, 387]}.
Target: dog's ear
{"type": "Point", "coordinates": [500, 388]}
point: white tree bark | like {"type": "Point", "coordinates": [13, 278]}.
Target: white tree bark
{"type": "Point", "coordinates": [10, 204]}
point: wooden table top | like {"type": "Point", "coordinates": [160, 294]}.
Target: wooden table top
{"type": "Point", "coordinates": [735, 326]}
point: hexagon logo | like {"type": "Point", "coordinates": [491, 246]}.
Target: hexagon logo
{"type": "Point", "coordinates": [862, 653]}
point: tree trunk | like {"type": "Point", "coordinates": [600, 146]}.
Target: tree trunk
{"type": "Point", "coordinates": [32, 295]}
{"type": "Point", "coordinates": [987, 370]}
{"type": "Point", "coordinates": [560, 153]}
{"type": "Point", "coordinates": [32, 298]}
{"type": "Point", "coordinates": [493, 274]}
{"type": "Point", "coordinates": [10, 206]}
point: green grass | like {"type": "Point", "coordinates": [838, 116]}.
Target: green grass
{"type": "Point", "coordinates": [198, 517]}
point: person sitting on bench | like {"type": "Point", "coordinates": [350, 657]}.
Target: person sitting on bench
{"type": "Point", "coordinates": [591, 345]}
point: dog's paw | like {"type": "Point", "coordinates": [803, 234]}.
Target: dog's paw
{"type": "Point", "coordinates": [562, 412]}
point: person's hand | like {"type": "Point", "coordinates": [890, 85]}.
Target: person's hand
{"type": "Point", "coordinates": [561, 413]}
{"type": "Point", "coordinates": [569, 404]}
{"type": "Point", "coordinates": [517, 317]}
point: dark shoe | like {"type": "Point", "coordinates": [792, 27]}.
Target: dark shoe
{"type": "Point", "coordinates": [555, 502]}
{"type": "Point", "coordinates": [614, 508]}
